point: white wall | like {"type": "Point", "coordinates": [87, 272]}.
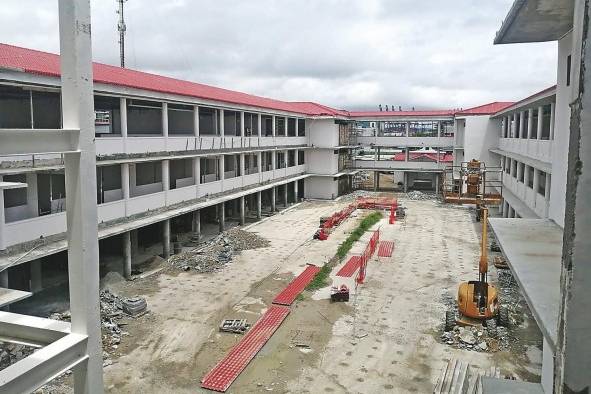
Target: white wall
{"type": "Point", "coordinates": [323, 133]}
{"type": "Point", "coordinates": [480, 135]}
{"type": "Point", "coordinates": [561, 135]}
{"type": "Point", "coordinates": [322, 161]}
{"type": "Point", "coordinates": [320, 187]}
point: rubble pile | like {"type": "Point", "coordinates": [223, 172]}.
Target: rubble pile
{"type": "Point", "coordinates": [218, 252]}
{"type": "Point", "coordinates": [10, 353]}
{"type": "Point", "coordinates": [112, 311]}
{"type": "Point", "coordinates": [418, 195]}
{"type": "Point", "coordinates": [477, 339]}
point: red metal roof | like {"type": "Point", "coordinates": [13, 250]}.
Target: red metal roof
{"type": "Point", "coordinates": [375, 114]}
{"type": "Point", "coordinates": [533, 96]}
{"type": "Point", "coordinates": [48, 64]}
{"type": "Point", "coordinates": [486, 109]}
{"type": "Point", "coordinates": [415, 156]}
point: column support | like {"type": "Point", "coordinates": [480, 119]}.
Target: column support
{"type": "Point", "coordinates": [166, 238]}
{"type": "Point", "coordinates": [196, 225]}
{"type": "Point", "coordinates": [123, 116]}
{"type": "Point", "coordinates": [405, 181]}
{"type": "Point", "coordinates": [530, 121]}
{"type": "Point", "coordinates": [196, 120]}
{"type": "Point", "coordinates": [540, 124]}
{"type": "Point", "coordinates": [260, 125]}
{"type": "Point", "coordinates": [36, 276]}
{"type": "Point", "coordinates": [222, 216]}
{"type": "Point", "coordinates": [273, 199]}
{"type": "Point", "coordinates": [242, 211]}
{"type": "Point", "coordinates": [552, 119]}
{"type": "Point", "coordinates": [242, 124]}
{"type": "Point", "coordinates": [521, 124]}
{"type": "Point", "coordinates": [2, 218]}
{"type": "Point", "coordinates": [259, 205]}
{"type": "Point", "coordinates": [165, 119]}
{"type": "Point", "coordinates": [222, 123]}
{"type": "Point", "coordinates": [285, 195]}
{"type": "Point", "coordinates": [165, 175]}
{"type": "Point", "coordinates": [295, 191]}
{"type": "Point", "coordinates": [127, 255]}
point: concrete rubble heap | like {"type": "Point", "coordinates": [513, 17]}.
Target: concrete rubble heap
{"type": "Point", "coordinates": [219, 251]}
{"type": "Point", "coordinates": [418, 195]}
{"type": "Point", "coordinates": [10, 353]}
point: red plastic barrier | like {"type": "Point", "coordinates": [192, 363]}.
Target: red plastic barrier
{"type": "Point", "coordinates": [367, 253]}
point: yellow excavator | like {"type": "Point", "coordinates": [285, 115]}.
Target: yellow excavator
{"type": "Point", "coordinates": [478, 301]}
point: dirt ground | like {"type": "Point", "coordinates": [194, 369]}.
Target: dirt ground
{"type": "Point", "coordinates": [386, 339]}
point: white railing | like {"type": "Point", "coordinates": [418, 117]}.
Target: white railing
{"type": "Point", "coordinates": [534, 149]}
{"type": "Point", "coordinates": [407, 141]}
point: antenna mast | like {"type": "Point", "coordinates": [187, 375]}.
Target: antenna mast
{"type": "Point", "coordinates": [122, 28]}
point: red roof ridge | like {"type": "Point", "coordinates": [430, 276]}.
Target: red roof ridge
{"type": "Point", "coordinates": [486, 109]}
{"type": "Point", "coordinates": [541, 92]}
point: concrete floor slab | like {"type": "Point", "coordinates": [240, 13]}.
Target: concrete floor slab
{"type": "Point", "coordinates": [533, 248]}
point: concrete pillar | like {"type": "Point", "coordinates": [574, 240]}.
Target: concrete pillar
{"type": "Point", "coordinates": [165, 119]}
{"type": "Point", "coordinates": [222, 167]}
{"type": "Point", "coordinates": [438, 129]}
{"type": "Point", "coordinates": [196, 225]}
{"type": "Point", "coordinates": [405, 181]}
{"type": "Point", "coordinates": [525, 175]}
{"type": "Point", "coordinates": [125, 180]}
{"type": "Point", "coordinates": [547, 189]}
{"type": "Point", "coordinates": [295, 191]}
{"type": "Point", "coordinates": [242, 124]}
{"type": "Point", "coordinates": [242, 211]}
{"type": "Point", "coordinates": [2, 218]}
{"type": "Point", "coordinates": [273, 127]}
{"type": "Point", "coordinates": [166, 238]}
{"type": "Point", "coordinates": [285, 195]}
{"type": "Point", "coordinates": [222, 216]}
{"type": "Point", "coordinates": [285, 126]}
{"type": "Point", "coordinates": [127, 255]}
{"type": "Point", "coordinates": [552, 118]}
{"type": "Point", "coordinates": [378, 180]}
{"type": "Point", "coordinates": [242, 164]}
{"type": "Point", "coordinates": [436, 183]}
{"type": "Point", "coordinates": [515, 126]}
{"type": "Point", "coordinates": [259, 162]}
{"type": "Point", "coordinates": [36, 276]}
{"type": "Point", "coordinates": [165, 175]}
{"type": "Point", "coordinates": [259, 205]}
{"type": "Point", "coordinates": [260, 124]}
{"type": "Point", "coordinates": [297, 128]}
{"type": "Point", "coordinates": [196, 170]}
{"type": "Point", "coordinates": [123, 116]}
{"type": "Point", "coordinates": [32, 196]}
{"type": "Point", "coordinates": [536, 183]}
{"type": "Point", "coordinates": [521, 124]}
{"type": "Point", "coordinates": [222, 123]}
{"type": "Point", "coordinates": [530, 121]}
{"type": "Point", "coordinates": [407, 128]}
{"type": "Point", "coordinates": [273, 199]}
{"type": "Point", "coordinates": [196, 120]}
{"type": "Point", "coordinates": [4, 284]}
{"type": "Point", "coordinates": [540, 122]}
{"type": "Point", "coordinates": [273, 160]}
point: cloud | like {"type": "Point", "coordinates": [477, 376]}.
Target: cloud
{"type": "Point", "coordinates": [343, 53]}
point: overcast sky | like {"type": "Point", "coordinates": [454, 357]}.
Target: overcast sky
{"type": "Point", "coordinates": [351, 54]}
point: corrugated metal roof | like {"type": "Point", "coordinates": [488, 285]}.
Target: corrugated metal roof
{"type": "Point", "coordinates": [48, 64]}
{"type": "Point", "coordinates": [486, 109]}
{"type": "Point", "coordinates": [387, 114]}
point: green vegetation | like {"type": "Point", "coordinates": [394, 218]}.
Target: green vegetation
{"type": "Point", "coordinates": [321, 278]}
{"type": "Point", "coordinates": [365, 224]}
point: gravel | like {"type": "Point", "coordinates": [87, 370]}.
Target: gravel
{"type": "Point", "coordinates": [418, 195]}
{"type": "Point", "coordinates": [218, 252]}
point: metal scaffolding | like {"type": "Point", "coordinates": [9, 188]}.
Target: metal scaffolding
{"type": "Point", "coordinates": [472, 182]}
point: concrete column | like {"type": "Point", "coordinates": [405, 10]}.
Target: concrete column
{"type": "Point", "coordinates": [32, 196]}
{"type": "Point", "coordinates": [260, 124]}
{"type": "Point", "coordinates": [407, 128]}
{"type": "Point", "coordinates": [242, 211]}
{"type": "Point", "coordinates": [285, 125]}
{"type": "Point", "coordinates": [165, 119]}
{"type": "Point", "coordinates": [521, 124]}
{"type": "Point", "coordinates": [127, 255]}
{"type": "Point", "coordinates": [242, 126]}
{"type": "Point", "coordinates": [242, 166]}
{"type": "Point", "coordinates": [260, 162]}
{"type": "Point", "coordinates": [196, 120]}
{"type": "Point", "coordinates": [165, 175]}
{"type": "Point", "coordinates": [196, 225]}
{"type": "Point", "coordinates": [222, 167]}
{"type": "Point", "coordinates": [436, 183]}
{"type": "Point", "coordinates": [536, 184]}
{"type": "Point", "coordinates": [530, 121]}
{"type": "Point", "coordinates": [36, 276]}
{"type": "Point", "coordinates": [504, 127]}
{"type": "Point", "coordinates": [259, 206]}
{"type": "Point", "coordinates": [515, 126]}
{"type": "Point", "coordinates": [273, 199]}
{"type": "Point", "coordinates": [222, 123]}
{"type": "Point", "coordinates": [273, 126]}
{"type": "Point", "coordinates": [547, 188]}
{"type": "Point", "coordinates": [274, 159]}
{"type": "Point", "coordinates": [197, 170]}
{"type": "Point", "coordinates": [552, 118]}
{"type": "Point", "coordinates": [222, 217]}
{"type": "Point", "coordinates": [405, 181]}
{"type": "Point", "coordinates": [295, 191]}
{"type": "Point", "coordinates": [123, 116]}
{"type": "Point", "coordinates": [525, 175]}
{"type": "Point", "coordinates": [166, 238]}
{"type": "Point", "coordinates": [285, 200]}
{"type": "Point", "coordinates": [540, 122]}
{"type": "Point", "coordinates": [375, 181]}
{"type": "Point", "coordinates": [378, 180]}
{"type": "Point", "coordinates": [297, 127]}
{"type": "Point", "coordinates": [125, 180]}
{"type": "Point", "coordinates": [2, 218]}
{"type": "Point", "coordinates": [438, 129]}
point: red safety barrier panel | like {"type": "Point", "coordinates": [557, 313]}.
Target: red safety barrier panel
{"type": "Point", "coordinates": [386, 249]}
{"type": "Point", "coordinates": [369, 251]}
{"type": "Point", "coordinates": [228, 369]}
{"type": "Point", "coordinates": [350, 267]}
{"type": "Point", "coordinates": [289, 294]}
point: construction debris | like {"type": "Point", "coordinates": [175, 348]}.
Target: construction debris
{"type": "Point", "coordinates": [11, 353]}
{"type": "Point", "coordinates": [418, 195]}
{"type": "Point", "coordinates": [218, 252]}
{"type": "Point", "coordinates": [113, 309]}
{"type": "Point", "coordinates": [236, 326]}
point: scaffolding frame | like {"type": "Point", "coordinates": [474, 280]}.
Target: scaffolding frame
{"type": "Point", "coordinates": [458, 187]}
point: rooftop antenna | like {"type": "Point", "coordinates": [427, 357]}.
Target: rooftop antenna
{"type": "Point", "coordinates": [386, 107]}
{"type": "Point", "coordinates": [380, 107]}
{"type": "Point", "coordinates": [122, 28]}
